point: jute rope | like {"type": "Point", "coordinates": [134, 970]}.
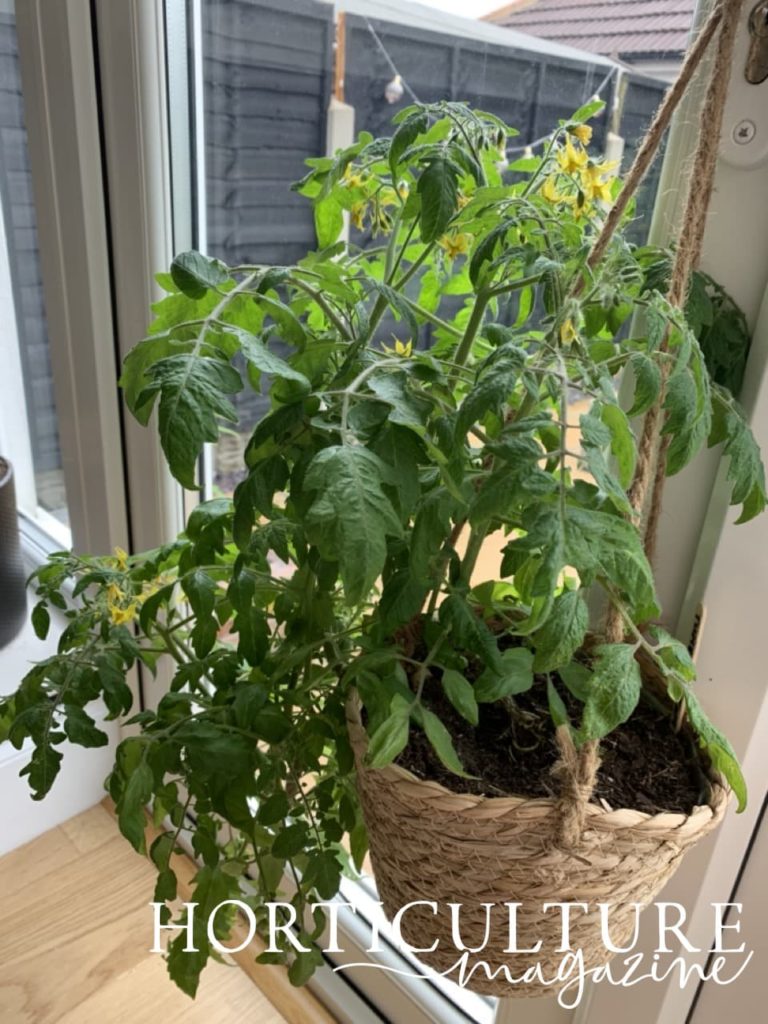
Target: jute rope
{"type": "Point", "coordinates": [578, 769]}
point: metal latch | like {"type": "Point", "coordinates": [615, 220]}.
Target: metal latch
{"type": "Point", "coordinates": [756, 70]}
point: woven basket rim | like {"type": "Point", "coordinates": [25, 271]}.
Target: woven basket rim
{"type": "Point", "coordinates": [617, 818]}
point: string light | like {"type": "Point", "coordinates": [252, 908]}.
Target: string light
{"type": "Point", "coordinates": [527, 149]}
{"type": "Point", "coordinates": [397, 87]}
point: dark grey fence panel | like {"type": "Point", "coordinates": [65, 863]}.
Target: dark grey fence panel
{"type": "Point", "coordinates": [267, 70]}
{"type": "Point", "coordinates": [528, 90]}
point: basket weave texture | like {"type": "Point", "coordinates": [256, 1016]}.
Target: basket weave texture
{"type": "Point", "coordinates": [428, 843]}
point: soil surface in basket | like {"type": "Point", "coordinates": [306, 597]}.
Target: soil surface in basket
{"type": "Point", "coordinates": [644, 764]}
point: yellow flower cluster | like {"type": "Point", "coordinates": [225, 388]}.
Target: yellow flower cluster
{"type": "Point", "coordinates": [592, 179]}
{"type": "Point", "coordinates": [123, 606]}
{"type": "Point", "coordinates": [374, 207]}
{"type": "Point", "coordinates": [455, 243]}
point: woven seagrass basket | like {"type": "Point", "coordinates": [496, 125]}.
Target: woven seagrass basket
{"type": "Point", "coordinates": [429, 843]}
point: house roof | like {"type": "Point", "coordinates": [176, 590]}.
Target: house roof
{"type": "Point", "coordinates": [618, 28]}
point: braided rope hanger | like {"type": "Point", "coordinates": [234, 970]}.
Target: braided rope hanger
{"type": "Point", "coordinates": [577, 770]}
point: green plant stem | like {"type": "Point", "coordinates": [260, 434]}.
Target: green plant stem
{"type": "Point", "coordinates": [318, 297]}
{"type": "Point", "coordinates": [473, 325]}
{"type": "Point", "coordinates": [476, 540]}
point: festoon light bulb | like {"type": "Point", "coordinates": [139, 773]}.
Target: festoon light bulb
{"type": "Point", "coordinates": [393, 91]}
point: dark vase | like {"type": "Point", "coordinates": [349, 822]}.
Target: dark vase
{"type": "Point", "coordinates": [13, 591]}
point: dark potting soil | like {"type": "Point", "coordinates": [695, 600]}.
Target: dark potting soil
{"type": "Point", "coordinates": [645, 764]}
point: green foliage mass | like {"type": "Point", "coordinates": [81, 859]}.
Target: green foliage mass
{"type": "Point", "coordinates": [375, 456]}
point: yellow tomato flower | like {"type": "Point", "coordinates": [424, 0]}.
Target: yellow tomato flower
{"type": "Point", "coordinates": [353, 179]}
{"type": "Point", "coordinates": [568, 333]}
{"type": "Point", "coordinates": [455, 244]}
{"type": "Point", "coordinates": [121, 559]}
{"type": "Point", "coordinates": [593, 182]}
{"type": "Point", "coordinates": [583, 133]}
{"type": "Point", "coordinates": [403, 189]}
{"type": "Point", "coordinates": [114, 594]}
{"type": "Point", "coordinates": [550, 192]}
{"type": "Point", "coordinates": [358, 213]}
{"type": "Point", "coordinates": [462, 199]}
{"type": "Point", "coordinates": [571, 159]}
{"type": "Point", "coordinates": [122, 616]}
{"type": "Point", "coordinates": [401, 348]}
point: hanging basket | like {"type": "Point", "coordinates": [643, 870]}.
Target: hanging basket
{"type": "Point", "coordinates": [429, 843]}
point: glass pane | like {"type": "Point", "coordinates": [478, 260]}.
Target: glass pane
{"type": "Point", "coordinates": [273, 73]}
{"type": "Point", "coordinates": [29, 436]}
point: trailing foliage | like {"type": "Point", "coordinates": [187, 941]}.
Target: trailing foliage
{"type": "Point", "coordinates": [376, 457]}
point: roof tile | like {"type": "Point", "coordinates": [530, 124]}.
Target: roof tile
{"type": "Point", "coordinates": [611, 27]}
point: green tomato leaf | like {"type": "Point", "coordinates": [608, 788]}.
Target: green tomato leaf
{"type": "Point", "coordinates": [193, 274]}
{"type": "Point", "coordinates": [193, 394]}
{"type": "Point", "coordinates": [438, 188]}
{"type": "Point", "coordinates": [81, 728]}
{"type": "Point", "coordinates": [647, 383]}
{"type": "Point", "coordinates": [41, 620]}
{"type": "Point", "coordinates": [130, 808]}
{"type": "Point", "coordinates": [461, 694]}
{"type": "Point", "coordinates": [720, 751]}
{"type": "Point", "coordinates": [514, 676]}
{"type": "Point", "coordinates": [563, 632]}
{"type": "Point", "coordinates": [613, 692]}
{"type": "Point", "coordinates": [407, 132]}
{"type": "Point", "coordinates": [329, 220]}
{"type": "Point", "coordinates": [441, 741]}
{"type": "Point", "coordinates": [391, 737]}
{"type": "Point", "coordinates": [351, 516]}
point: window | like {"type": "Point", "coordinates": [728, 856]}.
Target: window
{"type": "Point", "coordinates": [29, 430]}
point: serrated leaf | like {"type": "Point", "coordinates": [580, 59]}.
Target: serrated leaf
{"type": "Point", "coordinates": [577, 679]}
{"type": "Point", "coordinates": [470, 632]}
{"type": "Point", "coordinates": [438, 188]}
{"type": "Point", "coordinates": [563, 632]}
{"type": "Point", "coordinates": [441, 742]}
{"type": "Point", "coordinates": [351, 516]}
{"type": "Point", "coordinates": [588, 111]}
{"type": "Point", "coordinates": [407, 409]}
{"type": "Point", "coordinates": [557, 708]}
{"type": "Point", "coordinates": [391, 737]}
{"type": "Point", "coordinates": [193, 274]}
{"type": "Point", "coordinates": [81, 729]}
{"type": "Point", "coordinates": [130, 809]}
{"type": "Point", "coordinates": [193, 394]}
{"type": "Point", "coordinates": [401, 599]}
{"type": "Point", "coordinates": [596, 442]}
{"type": "Point", "coordinates": [745, 470]}
{"type": "Point", "coordinates": [407, 132]}
{"type": "Point", "coordinates": [259, 356]}
{"type": "Point", "coordinates": [623, 446]}
{"type": "Point", "coordinates": [514, 676]}
{"type": "Point", "coordinates": [212, 887]}
{"type": "Point", "coordinates": [399, 304]}
{"type": "Point", "coordinates": [323, 872]}
{"type": "Point", "coordinates": [41, 620]}
{"type": "Point", "coordinates": [720, 751]}
{"type": "Point", "coordinates": [329, 220]}
{"type": "Point", "coordinates": [461, 694]}
{"type": "Point", "coordinates": [614, 691]}
{"type": "Point", "coordinates": [647, 383]}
